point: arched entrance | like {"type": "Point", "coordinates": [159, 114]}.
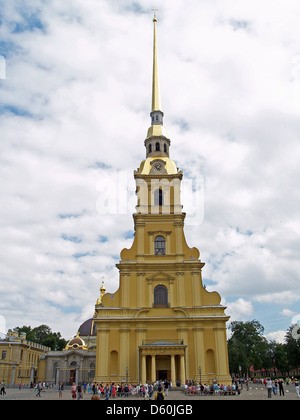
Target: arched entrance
{"type": "Point", "coordinates": [72, 376]}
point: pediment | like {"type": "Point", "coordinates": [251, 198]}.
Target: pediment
{"type": "Point", "coordinates": [160, 275]}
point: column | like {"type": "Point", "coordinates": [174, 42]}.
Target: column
{"type": "Point", "coordinates": [57, 376]}
{"type": "Point", "coordinates": [141, 295]}
{"type": "Point", "coordinates": [182, 369]}
{"type": "Point", "coordinates": [153, 369]}
{"type": "Point", "coordinates": [140, 336]}
{"type": "Point", "coordinates": [124, 352]}
{"type": "Point", "coordinates": [12, 378]}
{"type": "Point", "coordinates": [183, 335]}
{"type": "Point", "coordinates": [178, 239]}
{"type": "Point", "coordinates": [221, 352]}
{"type": "Point", "coordinates": [199, 350]}
{"type": "Point", "coordinates": [140, 227]}
{"type": "Point", "coordinates": [173, 373]}
{"type": "Point", "coordinates": [77, 375]}
{"type": "Point", "coordinates": [31, 373]}
{"type": "Point", "coordinates": [143, 375]}
{"type": "Point", "coordinates": [171, 300]}
{"type": "Point", "coordinates": [150, 294]}
{"type": "Point", "coordinates": [180, 289]}
{"type": "Point", "coordinates": [196, 280]}
{"type": "Point", "coordinates": [125, 279]}
{"type": "Point", "coordinates": [102, 356]}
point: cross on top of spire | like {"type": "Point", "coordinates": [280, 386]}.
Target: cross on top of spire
{"type": "Point", "coordinates": [154, 16]}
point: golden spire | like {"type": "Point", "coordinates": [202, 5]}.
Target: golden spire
{"type": "Point", "coordinates": [157, 129]}
{"type": "Point", "coordinates": [156, 102]}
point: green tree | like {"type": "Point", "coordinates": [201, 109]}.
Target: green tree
{"type": "Point", "coordinates": [247, 347]}
{"type": "Point", "coordinates": [44, 335]}
{"type": "Point", "coordinates": [293, 346]}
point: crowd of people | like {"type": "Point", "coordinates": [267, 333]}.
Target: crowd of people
{"type": "Point", "coordinates": [157, 390]}
{"type": "Point", "coordinates": [273, 386]}
{"type": "Point", "coordinates": [160, 389]}
{"type": "Point", "coordinates": [194, 388]}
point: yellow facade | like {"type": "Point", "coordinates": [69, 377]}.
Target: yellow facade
{"type": "Point", "coordinates": [161, 323]}
{"type": "Point", "coordinates": [20, 359]}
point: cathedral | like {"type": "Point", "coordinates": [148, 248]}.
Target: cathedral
{"type": "Point", "coordinates": [161, 323]}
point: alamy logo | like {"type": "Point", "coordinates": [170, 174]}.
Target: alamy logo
{"type": "Point", "coordinates": [296, 327]}
{"type": "Point", "coordinates": [120, 194]}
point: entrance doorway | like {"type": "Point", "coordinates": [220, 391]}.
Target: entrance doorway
{"type": "Point", "coordinates": [72, 376]}
{"type": "Point", "coordinates": [73, 367]}
{"type": "Point", "coordinates": [162, 375]}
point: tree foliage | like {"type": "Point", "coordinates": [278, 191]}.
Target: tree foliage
{"type": "Point", "coordinates": [247, 347]}
{"type": "Point", "coordinates": [43, 335]}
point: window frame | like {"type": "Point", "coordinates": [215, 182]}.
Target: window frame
{"type": "Point", "coordinates": [160, 296]}
{"type": "Point", "coordinates": [159, 239]}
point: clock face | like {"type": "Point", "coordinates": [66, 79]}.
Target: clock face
{"type": "Point", "coordinates": [158, 166]}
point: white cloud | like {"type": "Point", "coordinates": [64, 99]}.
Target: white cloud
{"type": "Point", "coordinates": [75, 110]}
{"type": "Point", "coordinates": [287, 312]}
{"type": "Point", "coordinates": [278, 336]}
{"type": "Point", "coordinates": [239, 310]}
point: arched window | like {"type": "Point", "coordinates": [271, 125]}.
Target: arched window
{"type": "Point", "coordinates": [165, 148]}
{"type": "Point", "coordinates": [150, 148]}
{"type": "Point", "coordinates": [161, 296]}
{"type": "Point", "coordinates": [160, 245]}
{"type": "Point", "coordinates": [157, 146]}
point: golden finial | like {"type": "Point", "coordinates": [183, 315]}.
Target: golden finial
{"type": "Point", "coordinates": [154, 17]}
{"type": "Point", "coordinates": [102, 293]}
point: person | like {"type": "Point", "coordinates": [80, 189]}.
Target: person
{"type": "Point", "coordinates": [275, 384]}
{"type": "Point", "coordinates": [113, 391]}
{"type": "Point", "coordinates": [39, 388]}
{"type": "Point", "coordinates": [150, 390]}
{"type": "Point", "coordinates": [94, 389]}
{"type": "Point", "coordinates": [166, 385]}
{"type": "Point", "coordinates": [159, 395]}
{"type": "Point", "coordinates": [247, 384]}
{"type": "Point", "coordinates": [60, 389]}
{"type": "Point", "coordinates": [73, 391]}
{"type": "Point", "coordinates": [3, 392]}
{"type": "Point", "coordinates": [146, 393]}
{"type": "Point", "coordinates": [20, 386]}
{"type": "Point", "coordinates": [269, 387]}
{"type": "Point", "coordinates": [297, 387]}
{"type": "Point", "coordinates": [79, 392]}
{"type": "Point", "coordinates": [107, 392]}
{"type": "Point", "coordinates": [281, 390]}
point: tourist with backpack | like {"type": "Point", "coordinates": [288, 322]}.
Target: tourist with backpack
{"type": "Point", "coordinates": [159, 395]}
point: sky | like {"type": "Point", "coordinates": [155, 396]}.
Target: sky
{"type": "Point", "coordinates": [75, 98]}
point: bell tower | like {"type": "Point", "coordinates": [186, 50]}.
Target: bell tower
{"type": "Point", "coordinates": [161, 323]}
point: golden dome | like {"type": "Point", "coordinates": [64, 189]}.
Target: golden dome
{"type": "Point", "coordinates": [76, 343]}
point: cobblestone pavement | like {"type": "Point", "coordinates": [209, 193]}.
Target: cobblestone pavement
{"type": "Point", "coordinates": [255, 392]}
